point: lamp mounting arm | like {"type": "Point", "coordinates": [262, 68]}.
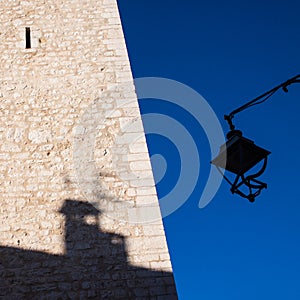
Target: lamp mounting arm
{"type": "Point", "coordinates": [260, 99]}
{"type": "Point", "coordinates": [229, 118]}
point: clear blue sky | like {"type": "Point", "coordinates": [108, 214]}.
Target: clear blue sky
{"type": "Point", "coordinates": [230, 52]}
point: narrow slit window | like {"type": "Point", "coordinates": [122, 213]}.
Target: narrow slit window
{"type": "Point", "coordinates": [27, 38]}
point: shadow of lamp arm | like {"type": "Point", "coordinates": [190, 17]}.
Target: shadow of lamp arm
{"type": "Point", "coordinates": [239, 154]}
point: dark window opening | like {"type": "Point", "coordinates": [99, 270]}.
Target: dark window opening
{"type": "Point", "coordinates": [27, 38]}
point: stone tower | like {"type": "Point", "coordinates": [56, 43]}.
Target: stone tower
{"type": "Point", "coordinates": [79, 215]}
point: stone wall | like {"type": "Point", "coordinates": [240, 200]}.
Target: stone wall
{"type": "Point", "coordinates": [79, 215]}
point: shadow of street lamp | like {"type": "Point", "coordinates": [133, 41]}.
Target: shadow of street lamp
{"type": "Point", "coordinates": [240, 155]}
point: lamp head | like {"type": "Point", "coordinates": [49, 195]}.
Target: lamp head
{"type": "Point", "coordinates": [239, 154]}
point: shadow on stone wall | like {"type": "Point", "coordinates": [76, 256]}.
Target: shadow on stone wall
{"type": "Point", "coordinates": [95, 266]}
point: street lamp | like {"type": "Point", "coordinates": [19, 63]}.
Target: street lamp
{"type": "Point", "coordinates": [239, 154]}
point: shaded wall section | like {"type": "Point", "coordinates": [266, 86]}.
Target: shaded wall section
{"type": "Point", "coordinates": [95, 266]}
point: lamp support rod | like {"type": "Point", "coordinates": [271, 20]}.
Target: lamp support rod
{"type": "Point", "coordinates": [260, 99]}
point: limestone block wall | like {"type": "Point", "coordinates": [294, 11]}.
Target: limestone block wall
{"type": "Point", "coordinates": [79, 215]}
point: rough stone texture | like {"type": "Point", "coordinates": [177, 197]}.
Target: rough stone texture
{"type": "Point", "coordinates": [79, 215]}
